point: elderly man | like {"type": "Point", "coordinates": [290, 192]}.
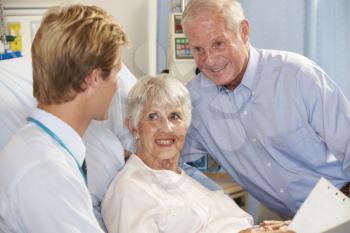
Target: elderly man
{"type": "Point", "coordinates": [273, 119]}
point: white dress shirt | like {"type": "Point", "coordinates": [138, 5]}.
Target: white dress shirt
{"type": "Point", "coordinates": [41, 187]}
{"type": "Point", "coordinates": [141, 199]}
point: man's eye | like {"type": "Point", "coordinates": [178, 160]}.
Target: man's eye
{"type": "Point", "coordinates": [218, 44]}
{"type": "Point", "coordinates": [152, 116]}
{"type": "Point", "coordinates": [198, 49]}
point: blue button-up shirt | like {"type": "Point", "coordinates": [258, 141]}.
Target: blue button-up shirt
{"type": "Point", "coordinates": [286, 125]}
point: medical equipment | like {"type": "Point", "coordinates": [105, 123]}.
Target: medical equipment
{"type": "Point", "coordinates": [5, 39]}
{"type": "Point", "coordinates": [180, 60]}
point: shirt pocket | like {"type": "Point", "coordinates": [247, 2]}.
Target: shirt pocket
{"type": "Point", "coordinates": [299, 147]}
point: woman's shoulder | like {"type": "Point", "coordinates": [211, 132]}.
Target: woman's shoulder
{"type": "Point", "coordinates": [132, 174]}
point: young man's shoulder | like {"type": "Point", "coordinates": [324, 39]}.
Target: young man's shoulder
{"type": "Point", "coordinates": [29, 151]}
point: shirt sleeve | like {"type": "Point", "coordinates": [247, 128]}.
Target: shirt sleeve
{"type": "Point", "coordinates": [128, 208]}
{"type": "Point", "coordinates": [200, 177]}
{"type": "Point", "coordinates": [328, 112]}
{"type": "Point", "coordinates": [57, 201]}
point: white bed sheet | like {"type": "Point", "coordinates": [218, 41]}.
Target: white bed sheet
{"type": "Point", "coordinates": [16, 96]}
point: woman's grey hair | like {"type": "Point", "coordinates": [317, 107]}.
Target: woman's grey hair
{"type": "Point", "coordinates": [231, 10]}
{"type": "Point", "coordinates": [165, 90]}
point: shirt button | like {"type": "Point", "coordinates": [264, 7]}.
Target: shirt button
{"type": "Point", "coordinates": [268, 164]}
{"type": "Point", "coordinates": [253, 140]}
{"type": "Point", "coordinates": [281, 191]}
{"type": "Point", "coordinates": [245, 112]}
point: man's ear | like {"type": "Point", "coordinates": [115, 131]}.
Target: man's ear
{"type": "Point", "coordinates": [244, 30]}
{"type": "Point", "coordinates": [92, 78]}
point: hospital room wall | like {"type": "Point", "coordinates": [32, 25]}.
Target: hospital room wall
{"type": "Point", "coordinates": [138, 18]}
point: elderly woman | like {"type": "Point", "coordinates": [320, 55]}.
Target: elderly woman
{"type": "Point", "coordinates": [151, 193]}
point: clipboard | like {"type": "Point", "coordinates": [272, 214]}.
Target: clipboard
{"type": "Point", "coordinates": [343, 228]}
{"type": "Point", "coordinates": [326, 209]}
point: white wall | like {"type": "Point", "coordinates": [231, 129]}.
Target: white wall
{"type": "Point", "coordinates": [138, 17]}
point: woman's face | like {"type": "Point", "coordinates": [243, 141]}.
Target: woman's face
{"type": "Point", "coordinates": [161, 132]}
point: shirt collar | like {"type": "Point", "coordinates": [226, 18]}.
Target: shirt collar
{"type": "Point", "coordinates": [249, 74]}
{"type": "Point", "coordinates": [63, 131]}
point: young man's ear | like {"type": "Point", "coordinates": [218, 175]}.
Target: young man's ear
{"type": "Point", "coordinates": [92, 78]}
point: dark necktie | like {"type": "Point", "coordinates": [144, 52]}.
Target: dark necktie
{"type": "Point", "coordinates": [84, 168]}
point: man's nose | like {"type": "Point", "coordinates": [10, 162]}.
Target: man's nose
{"type": "Point", "coordinates": [210, 57]}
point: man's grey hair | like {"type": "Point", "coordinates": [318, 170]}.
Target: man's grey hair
{"type": "Point", "coordinates": [162, 88]}
{"type": "Point", "coordinates": [230, 10]}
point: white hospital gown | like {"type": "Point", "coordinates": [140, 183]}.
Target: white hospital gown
{"type": "Point", "coordinates": [141, 199]}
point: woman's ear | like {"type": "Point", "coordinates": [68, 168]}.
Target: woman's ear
{"type": "Point", "coordinates": [131, 128]}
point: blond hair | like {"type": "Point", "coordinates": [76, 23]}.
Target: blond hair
{"type": "Point", "coordinates": [70, 43]}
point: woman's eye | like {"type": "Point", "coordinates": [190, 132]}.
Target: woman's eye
{"type": "Point", "coordinates": [175, 116]}
{"type": "Point", "coordinates": [152, 116]}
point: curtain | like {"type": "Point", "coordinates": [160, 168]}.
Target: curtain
{"type": "Point", "coordinates": [331, 38]}
{"type": "Point", "coordinates": [318, 29]}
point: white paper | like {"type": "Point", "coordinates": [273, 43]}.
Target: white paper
{"type": "Point", "coordinates": [326, 207]}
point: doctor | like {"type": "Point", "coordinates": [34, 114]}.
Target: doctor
{"type": "Point", "coordinates": [104, 140]}
{"type": "Point", "coordinates": [42, 180]}
{"type": "Point", "coordinates": [274, 120]}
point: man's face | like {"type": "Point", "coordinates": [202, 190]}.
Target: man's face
{"type": "Point", "coordinates": [220, 54]}
{"type": "Point", "coordinates": [107, 89]}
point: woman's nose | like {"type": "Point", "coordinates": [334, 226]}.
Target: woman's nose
{"type": "Point", "coordinates": [166, 126]}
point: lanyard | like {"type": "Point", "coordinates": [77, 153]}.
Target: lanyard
{"type": "Point", "coordinates": [59, 141]}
